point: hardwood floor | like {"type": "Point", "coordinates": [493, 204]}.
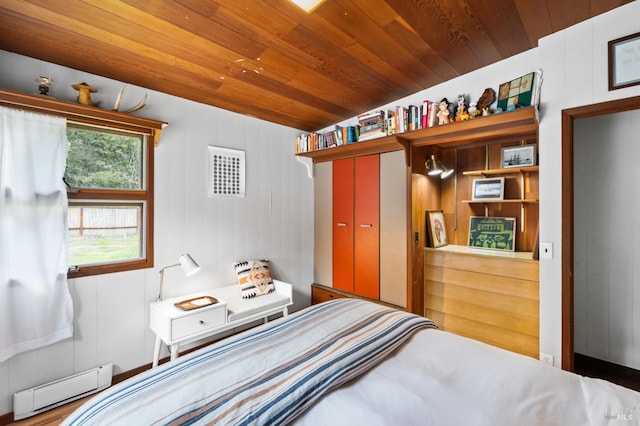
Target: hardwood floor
{"type": "Point", "coordinates": [52, 417]}
{"type": "Point", "coordinates": [596, 368]}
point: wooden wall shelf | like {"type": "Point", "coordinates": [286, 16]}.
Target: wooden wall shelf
{"type": "Point", "coordinates": [513, 201]}
{"type": "Point", "coordinates": [82, 114]}
{"type": "Point", "coordinates": [495, 172]}
{"type": "Point", "coordinates": [356, 149]}
{"type": "Point", "coordinates": [511, 125]}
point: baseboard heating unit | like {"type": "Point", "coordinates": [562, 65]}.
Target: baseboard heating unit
{"type": "Point", "coordinates": [41, 398]}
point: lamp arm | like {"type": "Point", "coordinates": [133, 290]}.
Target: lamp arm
{"type": "Point", "coordinates": [159, 298]}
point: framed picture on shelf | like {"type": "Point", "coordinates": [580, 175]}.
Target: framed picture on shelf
{"type": "Point", "coordinates": [624, 61]}
{"type": "Point", "coordinates": [436, 229]}
{"type": "Point", "coordinates": [518, 156]}
{"type": "Point", "coordinates": [489, 189]}
{"type": "Point", "coordinates": [493, 233]}
{"type": "Point", "coordinates": [519, 92]}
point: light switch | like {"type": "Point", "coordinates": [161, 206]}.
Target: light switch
{"type": "Point", "coordinates": [546, 250]}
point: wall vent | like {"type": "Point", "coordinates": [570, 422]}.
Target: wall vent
{"type": "Point", "coordinates": [41, 398]}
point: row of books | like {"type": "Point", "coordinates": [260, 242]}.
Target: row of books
{"type": "Point", "coordinates": [517, 93]}
{"type": "Point", "coordinates": [372, 125]}
{"type": "Point", "coordinates": [337, 137]}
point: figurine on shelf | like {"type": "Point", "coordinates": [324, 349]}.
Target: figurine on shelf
{"type": "Point", "coordinates": [486, 99]}
{"type": "Point", "coordinates": [84, 93]}
{"type": "Point", "coordinates": [473, 110]}
{"type": "Point", "coordinates": [443, 112]}
{"type": "Point", "coordinates": [461, 111]}
{"type": "Point", "coordinates": [43, 85]}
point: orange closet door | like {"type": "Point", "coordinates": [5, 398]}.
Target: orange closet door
{"type": "Point", "coordinates": [367, 226]}
{"type": "Point", "coordinates": [343, 247]}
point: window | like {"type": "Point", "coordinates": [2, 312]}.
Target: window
{"type": "Point", "coordinates": [109, 203]}
{"type": "Point", "coordinates": [110, 178]}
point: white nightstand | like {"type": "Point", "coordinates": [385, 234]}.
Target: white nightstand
{"type": "Point", "coordinates": [175, 326]}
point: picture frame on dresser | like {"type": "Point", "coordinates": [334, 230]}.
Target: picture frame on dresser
{"type": "Point", "coordinates": [493, 233]}
{"type": "Point", "coordinates": [436, 229]}
{"type": "Point", "coordinates": [488, 189]}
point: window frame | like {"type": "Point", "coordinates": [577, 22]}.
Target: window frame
{"type": "Point", "coordinates": [96, 117]}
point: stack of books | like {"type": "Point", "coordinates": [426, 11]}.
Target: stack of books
{"type": "Point", "coordinates": [372, 125]}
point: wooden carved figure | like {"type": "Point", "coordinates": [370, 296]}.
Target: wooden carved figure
{"type": "Point", "coordinates": [84, 93]}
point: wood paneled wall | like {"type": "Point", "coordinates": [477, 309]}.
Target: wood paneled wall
{"type": "Point", "coordinates": [487, 298]}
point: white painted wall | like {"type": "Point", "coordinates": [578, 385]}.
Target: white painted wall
{"type": "Point", "coordinates": [607, 237]}
{"type": "Point", "coordinates": [574, 62]}
{"type": "Point", "coordinates": [275, 220]}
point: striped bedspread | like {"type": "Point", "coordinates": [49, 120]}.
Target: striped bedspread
{"type": "Point", "coordinates": [267, 375]}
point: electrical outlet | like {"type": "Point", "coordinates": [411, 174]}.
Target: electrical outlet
{"type": "Point", "coordinates": [546, 358]}
{"type": "Point", "coordinates": [546, 250]}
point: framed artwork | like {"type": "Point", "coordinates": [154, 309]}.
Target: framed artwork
{"type": "Point", "coordinates": [490, 189]}
{"type": "Point", "coordinates": [517, 92]}
{"type": "Point", "coordinates": [518, 156]}
{"type": "Point", "coordinates": [436, 229]}
{"type": "Point", "coordinates": [624, 61]}
{"type": "Point", "coordinates": [226, 172]}
{"type": "Point", "coordinates": [494, 233]}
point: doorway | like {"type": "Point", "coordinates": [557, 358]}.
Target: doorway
{"type": "Point", "coordinates": [568, 219]}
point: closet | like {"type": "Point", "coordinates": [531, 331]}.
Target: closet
{"type": "Point", "coordinates": [356, 225]}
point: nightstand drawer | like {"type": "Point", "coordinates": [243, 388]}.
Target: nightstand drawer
{"type": "Point", "coordinates": [197, 322]}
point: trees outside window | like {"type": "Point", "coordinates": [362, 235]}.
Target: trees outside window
{"type": "Point", "coordinates": [108, 200]}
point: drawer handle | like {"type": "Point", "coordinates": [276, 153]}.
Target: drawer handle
{"type": "Point", "coordinates": [366, 225]}
{"type": "Point", "coordinates": [201, 322]}
{"type": "Point", "coordinates": [341, 224]}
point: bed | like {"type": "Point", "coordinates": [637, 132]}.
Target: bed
{"type": "Point", "coordinates": [347, 362]}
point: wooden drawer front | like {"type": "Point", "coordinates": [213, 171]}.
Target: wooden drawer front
{"type": "Point", "coordinates": [319, 295]}
{"type": "Point", "coordinates": [197, 322]}
{"type": "Point", "coordinates": [494, 300]}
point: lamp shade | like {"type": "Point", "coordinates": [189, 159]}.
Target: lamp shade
{"type": "Point", "coordinates": [189, 266]}
{"type": "Point", "coordinates": [446, 172]}
{"type": "Point", "coordinates": [432, 166]}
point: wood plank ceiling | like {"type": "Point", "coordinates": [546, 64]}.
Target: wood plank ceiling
{"type": "Point", "coordinates": [271, 60]}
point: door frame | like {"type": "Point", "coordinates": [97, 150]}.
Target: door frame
{"type": "Point", "coordinates": [568, 117]}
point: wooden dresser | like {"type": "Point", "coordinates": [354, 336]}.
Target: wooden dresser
{"type": "Point", "coordinates": [488, 298]}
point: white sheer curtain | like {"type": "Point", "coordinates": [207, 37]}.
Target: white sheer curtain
{"type": "Point", "coordinates": [35, 305]}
